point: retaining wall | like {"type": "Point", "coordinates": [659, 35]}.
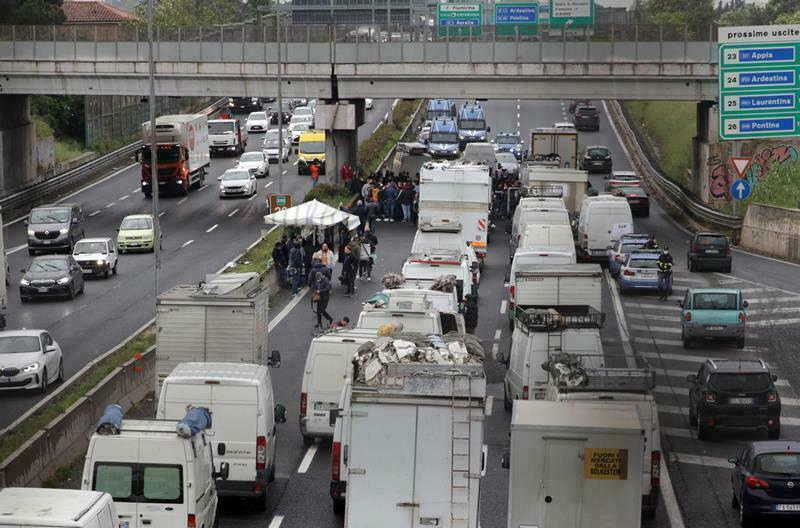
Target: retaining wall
{"type": "Point", "coordinates": [773, 231]}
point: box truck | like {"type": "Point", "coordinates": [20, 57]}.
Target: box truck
{"type": "Point", "coordinates": [182, 147]}
{"type": "Point", "coordinates": [554, 144]}
{"type": "Point", "coordinates": [570, 184]}
{"type": "Point", "coordinates": [223, 319]}
{"type": "Point", "coordinates": [574, 468]}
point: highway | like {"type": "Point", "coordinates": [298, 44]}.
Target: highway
{"type": "Point", "coordinates": [201, 234]}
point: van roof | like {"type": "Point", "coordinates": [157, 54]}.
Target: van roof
{"type": "Point", "coordinates": [471, 112]}
{"type": "Point", "coordinates": [443, 124]}
{"type": "Point", "coordinates": [46, 507]}
{"type": "Point", "coordinates": [605, 198]}
{"type": "Point", "coordinates": [540, 415]}
{"type": "Point", "coordinates": [312, 135]}
{"type": "Point", "coordinates": [138, 428]}
{"type": "Point", "coordinates": [230, 373]}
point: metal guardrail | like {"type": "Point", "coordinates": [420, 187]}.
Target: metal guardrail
{"type": "Point", "coordinates": [69, 179]}
{"type": "Point", "coordinates": [682, 199]}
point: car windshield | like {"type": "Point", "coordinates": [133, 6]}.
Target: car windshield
{"type": "Point", "coordinates": [507, 140]}
{"type": "Point", "coordinates": [49, 216]}
{"type": "Point", "coordinates": [715, 301]}
{"type": "Point", "coordinates": [778, 463]}
{"type": "Point", "coordinates": [598, 152]}
{"type": "Point", "coordinates": [587, 110]}
{"type": "Point", "coordinates": [257, 116]}
{"type": "Point", "coordinates": [302, 111]}
{"type": "Point", "coordinates": [48, 265]}
{"type": "Point", "coordinates": [271, 143]}
{"type": "Point", "coordinates": [273, 133]}
{"type": "Point", "coordinates": [235, 175]}
{"type": "Point", "coordinates": [251, 156]}
{"type": "Point", "coordinates": [443, 137]}
{"type": "Point", "coordinates": [472, 124]}
{"type": "Point", "coordinates": [313, 147]}
{"type": "Point", "coordinates": [628, 247]}
{"type": "Point", "coordinates": [301, 118]}
{"type": "Point", "coordinates": [136, 223]}
{"type": "Point", "coordinates": [712, 240]}
{"type": "Point", "coordinates": [504, 157]}
{"type": "Point", "coordinates": [84, 248]}
{"type": "Point", "coordinates": [643, 263]}
{"type": "Point", "coordinates": [751, 382]}
{"type": "Point", "coordinates": [19, 344]}
{"type": "Point", "coordinates": [221, 127]}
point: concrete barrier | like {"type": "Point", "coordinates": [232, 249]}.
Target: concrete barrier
{"type": "Point", "coordinates": [773, 231]}
{"type": "Point", "coordinates": [67, 436]}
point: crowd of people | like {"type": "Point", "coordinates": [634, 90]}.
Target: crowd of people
{"type": "Point", "coordinates": [383, 196]}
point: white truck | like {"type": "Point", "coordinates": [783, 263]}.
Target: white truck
{"type": "Point", "coordinates": [413, 313]}
{"type": "Point", "coordinates": [224, 319]}
{"type": "Point", "coordinates": [409, 451]}
{"type": "Point", "coordinates": [555, 144]}
{"type": "Point", "coordinates": [563, 285]}
{"type": "Point", "coordinates": [227, 136]}
{"type": "Point", "coordinates": [570, 184]}
{"type": "Point", "coordinates": [614, 383]}
{"type": "Point", "coordinates": [574, 468]}
{"type": "Point", "coordinates": [458, 191]}
{"type": "Point", "coordinates": [423, 269]}
{"type": "Point", "coordinates": [446, 234]}
{"type": "Point", "coordinates": [183, 153]}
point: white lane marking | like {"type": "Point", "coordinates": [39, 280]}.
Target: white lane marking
{"type": "Point", "coordinates": [675, 357]}
{"type": "Point", "coordinates": [268, 184]}
{"type": "Point", "coordinates": [233, 212]}
{"type": "Point", "coordinates": [773, 300]}
{"type": "Point", "coordinates": [124, 197]}
{"type": "Point", "coordinates": [622, 324]}
{"type": "Point", "coordinates": [288, 308]}
{"type": "Point", "coordinates": [252, 197]}
{"type": "Point", "coordinates": [503, 306]}
{"type": "Point", "coordinates": [296, 161]}
{"type": "Point", "coordinates": [701, 460]}
{"type": "Point", "coordinates": [498, 333]}
{"type": "Point", "coordinates": [182, 200]}
{"type": "Point", "coordinates": [276, 521]}
{"type": "Point", "coordinates": [518, 107]}
{"type": "Point", "coordinates": [95, 213]}
{"type": "Point", "coordinates": [210, 229]}
{"type": "Point", "coordinates": [162, 213]}
{"type": "Point", "coordinates": [684, 411]}
{"type": "Point", "coordinates": [112, 204]}
{"type": "Point", "coordinates": [517, 124]}
{"type": "Point", "coordinates": [138, 189]}
{"type": "Point", "coordinates": [309, 456]}
{"type": "Point", "coordinates": [674, 330]}
{"type": "Point", "coordinates": [779, 322]}
{"type": "Point", "coordinates": [495, 349]}
{"type": "Point", "coordinates": [683, 391]}
{"type": "Point", "coordinates": [517, 115]}
{"type": "Point", "coordinates": [187, 243]}
{"type": "Point", "coordinates": [284, 172]}
{"type": "Point", "coordinates": [679, 343]}
{"type": "Point", "coordinates": [18, 248]}
{"type": "Point", "coordinates": [377, 127]}
{"type": "Point", "coordinates": [203, 187]}
{"type": "Point", "coordinates": [651, 317]}
{"type": "Point", "coordinates": [689, 279]}
{"type": "Point", "coordinates": [677, 431]}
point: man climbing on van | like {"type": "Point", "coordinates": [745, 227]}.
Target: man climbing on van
{"type": "Point", "coordinates": [665, 262]}
{"type": "Point", "coordinates": [652, 243]}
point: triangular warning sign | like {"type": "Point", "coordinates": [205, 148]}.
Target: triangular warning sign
{"type": "Point", "coordinates": [741, 165]}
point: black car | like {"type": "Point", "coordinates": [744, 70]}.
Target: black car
{"type": "Point", "coordinates": [286, 114]}
{"type": "Point", "coordinates": [575, 103]}
{"type": "Point", "coordinates": [245, 104]}
{"type": "Point", "coordinates": [637, 198]}
{"type": "Point", "coordinates": [734, 395]}
{"type": "Point", "coordinates": [54, 228]}
{"type": "Point", "coordinates": [766, 481]}
{"type": "Point", "coordinates": [596, 158]}
{"type": "Point", "coordinates": [51, 276]}
{"type": "Point", "coordinates": [709, 250]}
{"type": "Point", "coordinates": [586, 118]}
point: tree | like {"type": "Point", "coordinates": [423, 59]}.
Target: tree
{"type": "Point", "coordinates": [749, 15]}
{"type": "Point", "coordinates": [201, 12]}
{"type": "Point", "coordinates": [63, 113]}
{"type": "Point", "coordinates": [788, 18]}
{"type": "Point", "coordinates": [31, 12]}
{"type": "Point", "coordinates": [697, 14]}
{"type": "Point", "coordinates": [777, 8]}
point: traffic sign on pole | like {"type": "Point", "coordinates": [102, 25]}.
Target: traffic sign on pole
{"type": "Point", "coordinates": [759, 82]}
{"type": "Point", "coordinates": [740, 189]}
{"type": "Point", "coordinates": [459, 20]}
{"type": "Point", "coordinates": [571, 13]}
{"type": "Point", "coordinates": [522, 15]}
{"type": "Point", "coordinates": [741, 165]}
{"type": "Point", "coordinates": [279, 202]}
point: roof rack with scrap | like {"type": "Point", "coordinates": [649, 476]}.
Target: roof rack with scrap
{"type": "Point", "coordinates": [438, 257]}
{"type": "Point", "coordinates": [556, 318]}
{"type": "Point", "coordinates": [569, 373]}
{"type": "Point", "coordinates": [542, 191]}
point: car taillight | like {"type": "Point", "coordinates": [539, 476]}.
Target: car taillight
{"type": "Point", "coordinates": [629, 273]}
{"type": "Point", "coordinates": [772, 397]}
{"type": "Point", "coordinates": [618, 258]}
{"type": "Point", "coordinates": [303, 404]}
{"type": "Point", "coordinates": [710, 397]}
{"type": "Point", "coordinates": [525, 392]}
{"type": "Point", "coordinates": [336, 455]}
{"type": "Point", "coordinates": [655, 469]}
{"type": "Point", "coordinates": [741, 316]}
{"type": "Point", "coordinates": [261, 452]}
{"type": "Point", "coordinates": [512, 293]}
{"type": "Point", "coordinates": [688, 316]}
{"type": "Point", "coordinates": [190, 521]}
{"type": "Point", "coordinates": [474, 277]}
{"type": "Point", "coordinates": [756, 483]}
{"type": "Point", "coordinates": [693, 248]}
{"type": "Point", "coordinates": [585, 240]}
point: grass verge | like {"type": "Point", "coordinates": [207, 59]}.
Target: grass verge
{"type": "Point", "coordinates": [67, 149]}
{"type": "Point", "coordinates": [668, 128]}
{"type": "Point", "coordinates": [13, 439]}
{"type": "Point", "coordinates": [781, 188]}
{"type": "Point", "coordinates": [332, 195]}
{"type": "Point", "coordinates": [258, 258]}
{"type": "Point", "coordinates": [372, 151]}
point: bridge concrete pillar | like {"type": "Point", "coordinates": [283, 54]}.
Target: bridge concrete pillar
{"type": "Point", "coordinates": [702, 147]}
{"type": "Point", "coordinates": [340, 120]}
{"type": "Point", "coordinates": [17, 143]}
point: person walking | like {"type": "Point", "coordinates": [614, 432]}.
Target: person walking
{"type": "Point", "coordinates": [322, 294]}
{"type": "Point", "coordinates": [361, 212]}
{"type": "Point", "coordinates": [318, 267]}
{"type": "Point", "coordinates": [390, 202]}
{"type": "Point", "coordinates": [281, 264]}
{"type": "Point", "coordinates": [314, 169]}
{"type": "Point", "coordinates": [665, 262]}
{"type": "Point", "coordinates": [367, 256]}
{"type": "Point", "coordinates": [296, 266]}
{"type": "Point", "coordinates": [406, 199]}
{"type": "Point", "coordinates": [349, 270]}
{"type": "Point", "coordinates": [372, 214]}
{"type": "Point", "coordinates": [470, 313]}
{"type": "Point", "coordinates": [326, 256]}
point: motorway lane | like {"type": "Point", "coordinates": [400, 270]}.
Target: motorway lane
{"type": "Point", "coordinates": [113, 309]}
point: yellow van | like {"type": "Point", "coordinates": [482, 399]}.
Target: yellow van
{"type": "Point", "coordinates": [311, 149]}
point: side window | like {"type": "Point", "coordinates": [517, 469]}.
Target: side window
{"type": "Point", "coordinates": [47, 338]}
{"type": "Point", "coordinates": [43, 340]}
{"type": "Point", "coordinates": [687, 301]}
{"type": "Point", "coordinates": [162, 484]}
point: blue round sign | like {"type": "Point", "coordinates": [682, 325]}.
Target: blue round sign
{"type": "Point", "coordinates": [740, 189]}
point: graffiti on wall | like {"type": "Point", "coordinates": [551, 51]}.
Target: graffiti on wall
{"type": "Point", "coordinates": [721, 172]}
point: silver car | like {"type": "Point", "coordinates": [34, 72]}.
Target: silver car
{"type": "Point", "coordinates": [254, 162]}
{"type": "Point", "coordinates": [237, 182]}
{"type": "Point", "coordinates": [29, 359]}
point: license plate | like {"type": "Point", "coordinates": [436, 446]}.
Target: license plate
{"type": "Point", "coordinates": [47, 241]}
{"type": "Point", "coordinates": [597, 162]}
{"type": "Point", "coordinates": [325, 406]}
{"type": "Point", "coordinates": [633, 201]}
{"type": "Point", "coordinates": [712, 251]}
{"type": "Point", "coordinates": [133, 245]}
{"type": "Point", "coordinates": [42, 290]}
{"type": "Point", "coordinates": [647, 274]}
{"type": "Point", "coordinates": [715, 328]}
{"type": "Point", "coordinates": [740, 401]}
{"type": "Point", "coordinates": [787, 507]}
{"type": "Point", "coordinates": [123, 524]}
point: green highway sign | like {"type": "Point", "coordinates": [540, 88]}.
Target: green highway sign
{"type": "Point", "coordinates": [511, 15]}
{"type": "Point", "coordinates": [571, 13]}
{"type": "Point", "coordinates": [459, 20]}
{"type": "Point", "coordinates": [759, 88]}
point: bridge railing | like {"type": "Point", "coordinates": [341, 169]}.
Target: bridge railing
{"type": "Point", "coordinates": [364, 43]}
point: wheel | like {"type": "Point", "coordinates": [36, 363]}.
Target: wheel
{"type": "Point", "coordinates": [43, 386]}
{"type": "Point", "coordinates": [121, 251]}
{"type": "Point", "coordinates": [734, 502]}
{"type": "Point", "coordinates": [727, 269]}
{"type": "Point", "coordinates": [690, 265]}
{"type": "Point", "coordinates": [507, 404]}
{"type": "Point", "coordinates": [308, 440]}
{"type": "Point", "coordinates": [774, 433]}
{"type": "Point", "coordinates": [702, 432]}
{"type": "Point", "coordinates": [114, 269]}
{"type": "Point", "coordinates": [24, 299]}
{"type": "Point", "coordinates": [692, 416]}
{"type": "Point", "coordinates": [271, 476]}
{"type": "Point", "coordinates": [71, 245]}
{"type": "Point", "coordinates": [740, 343]}
{"type": "Point", "coordinates": [60, 371]}
{"type": "Point", "coordinates": [338, 506]}
{"type": "Point", "coordinates": [745, 521]}
{"type": "Point", "coordinates": [260, 503]}
{"type": "Point", "coordinates": [31, 252]}
{"type": "Point", "coordinates": [71, 293]}
{"type": "Point", "coordinates": [687, 341]}
{"type": "Point", "coordinates": [83, 285]}
{"type": "Point", "coordinates": [105, 273]}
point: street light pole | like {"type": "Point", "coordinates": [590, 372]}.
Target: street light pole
{"type": "Point", "coordinates": [280, 103]}
{"type": "Point", "coordinates": [153, 157]}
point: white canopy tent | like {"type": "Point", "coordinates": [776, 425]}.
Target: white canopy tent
{"type": "Point", "coordinates": [312, 214]}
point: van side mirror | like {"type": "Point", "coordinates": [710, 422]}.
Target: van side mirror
{"type": "Point", "coordinates": [745, 304]}
{"type": "Point", "coordinates": [221, 449]}
{"type": "Point", "coordinates": [223, 473]}
{"type": "Point", "coordinates": [500, 357]}
{"type": "Point", "coordinates": [680, 303]}
{"type": "Point", "coordinates": [274, 359]}
{"type": "Point", "coordinates": [508, 229]}
{"type": "Point", "coordinates": [280, 414]}
{"type": "Point", "coordinates": [505, 461]}
{"type": "Point", "coordinates": [25, 222]}
{"type": "Point", "coordinates": [733, 460]}
{"type": "Point", "coordinates": [50, 348]}
{"type": "Point", "coordinates": [692, 378]}
{"type": "Point", "coordinates": [774, 377]}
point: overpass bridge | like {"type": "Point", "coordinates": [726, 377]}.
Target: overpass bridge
{"type": "Point", "coordinates": [614, 62]}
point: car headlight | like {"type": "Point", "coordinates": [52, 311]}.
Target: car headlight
{"type": "Point", "coordinates": [221, 187]}
{"type": "Point", "coordinates": [63, 280]}
{"type": "Point", "coordinates": [24, 282]}
{"type": "Point", "coordinates": [145, 183]}
{"type": "Point", "coordinates": [179, 182]}
{"type": "Point", "coordinates": [33, 367]}
{"type": "Point", "coordinates": [101, 262]}
{"type": "Point", "coordinates": [31, 232]}
{"type": "Point", "coordinates": [63, 230]}
{"type": "Point", "coordinates": [461, 136]}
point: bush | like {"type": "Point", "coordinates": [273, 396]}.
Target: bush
{"type": "Point", "coordinates": [329, 194]}
{"type": "Point", "coordinates": [375, 148]}
{"type": "Point", "coordinates": [781, 188]}
{"type": "Point", "coordinates": [67, 149]}
{"type": "Point", "coordinates": [43, 130]}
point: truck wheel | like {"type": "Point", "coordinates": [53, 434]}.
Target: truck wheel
{"type": "Point", "coordinates": [260, 503]}
{"type": "Point", "coordinates": [774, 433]}
{"type": "Point", "coordinates": [338, 506]}
{"type": "Point", "coordinates": [147, 195]}
{"type": "Point", "coordinates": [508, 405]}
{"type": "Point", "coordinates": [308, 440]}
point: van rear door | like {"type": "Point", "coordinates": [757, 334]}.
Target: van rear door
{"type": "Point", "coordinates": [329, 367]}
{"type": "Point", "coordinates": [234, 413]}
{"type": "Point", "coordinates": [163, 477]}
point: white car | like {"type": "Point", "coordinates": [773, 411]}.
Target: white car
{"type": "Point", "coordinates": [237, 182]}
{"type": "Point", "coordinates": [564, 126]}
{"type": "Point", "coordinates": [272, 133]}
{"type": "Point", "coordinates": [257, 122]}
{"type": "Point", "coordinates": [96, 256]}
{"type": "Point", "coordinates": [508, 161]}
{"type": "Point", "coordinates": [29, 359]}
{"type": "Point", "coordinates": [271, 149]}
{"type": "Point", "coordinates": [368, 104]}
{"type": "Point", "coordinates": [298, 128]}
{"type": "Point", "coordinates": [303, 111]}
{"type": "Point", "coordinates": [255, 163]}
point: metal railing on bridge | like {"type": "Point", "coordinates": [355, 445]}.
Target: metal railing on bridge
{"type": "Point", "coordinates": [366, 43]}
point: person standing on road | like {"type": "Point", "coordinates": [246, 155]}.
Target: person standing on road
{"type": "Point", "coordinates": [652, 243]}
{"type": "Point", "coordinates": [361, 212]}
{"type": "Point", "coordinates": [406, 199]}
{"type": "Point", "coordinates": [372, 214]}
{"type": "Point", "coordinates": [665, 262]}
{"type": "Point", "coordinates": [314, 169]}
{"type": "Point", "coordinates": [367, 257]}
{"type": "Point", "coordinates": [322, 294]}
{"type": "Point", "coordinates": [390, 192]}
{"type": "Point", "coordinates": [349, 269]}
{"type": "Point", "coordinates": [296, 266]}
{"type": "Point", "coordinates": [470, 313]}
{"type": "Point", "coordinates": [326, 256]}
{"type": "Point", "coordinates": [281, 264]}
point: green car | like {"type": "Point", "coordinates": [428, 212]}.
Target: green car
{"type": "Point", "coordinates": [136, 233]}
{"type": "Point", "coordinates": [713, 313]}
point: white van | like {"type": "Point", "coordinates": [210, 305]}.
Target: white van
{"type": "Point", "coordinates": [415, 316]}
{"type": "Point", "coordinates": [243, 412]}
{"type": "Point", "coordinates": [57, 508]}
{"type": "Point", "coordinates": [603, 220]}
{"type": "Point", "coordinates": [483, 153]}
{"type": "Point", "coordinates": [541, 211]}
{"type": "Point", "coordinates": [445, 234]}
{"type": "Point", "coordinates": [424, 268]}
{"type": "Point", "coordinates": [532, 257]}
{"type": "Point", "coordinates": [442, 301]}
{"type": "Point", "coordinates": [328, 363]}
{"type": "Point", "coordinates": [157, 478]}
{"type": "Point", "coordinates": [555, 237]}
